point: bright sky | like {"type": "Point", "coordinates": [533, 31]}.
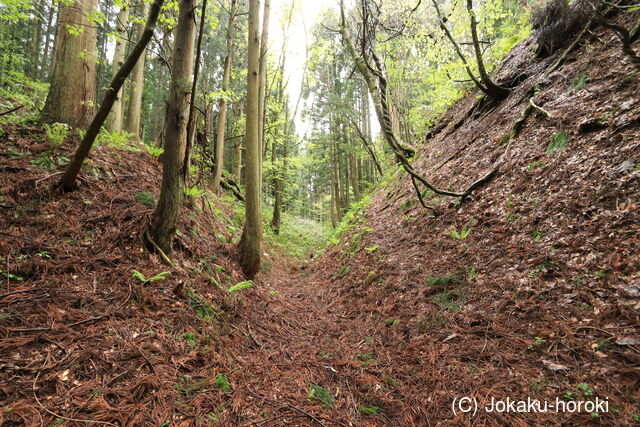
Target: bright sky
{"type": "Point", "coordinates": [308, 12]}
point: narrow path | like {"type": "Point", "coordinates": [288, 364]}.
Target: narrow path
{"type": "Point", "coordinates": [301, 340]}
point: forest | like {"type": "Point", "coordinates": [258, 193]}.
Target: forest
{"type": "Point", "coordinates": [319, 213]}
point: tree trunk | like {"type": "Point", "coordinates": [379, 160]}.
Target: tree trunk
{"type": "Point", "coordinates": [114, 120]}
{"type": "Point", "coordinates": [83, 149]}
{"type": "Point", "coordinates": [71, 97]}
{"type": "Point", "coordinates": [137, 81]}
{"type": "Point", "coordinates": [262, 67]}
{"type": "Point", "coordinates": [46, 63]}
{"type": "Point", "coordinates": [251, 242]}
{"type": "Point", "coordinates": [165, 218]}
{"type": "Point", "coordinates": [36, 33]}
{"type": "Point", "coordinates": [222, 110]}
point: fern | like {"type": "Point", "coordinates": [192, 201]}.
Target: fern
{"type": "Point", "coordinates": [222, 383]}
{"type": "Point", "coordinates": [57, 132]}
{"type": "Point", "coordinates": [193, 191]}
{"type": "Point", "coordinates": [558, 143]}
{"type": "Point", "coordinates": [463, 234]}
{"type": "Point", "coordinates": [322, 395]}
{"type": "Point", "coordinates": [141, 277]}
{"type": "Point", "coordinates": [240, 286]}
{"type": "Point", "coordinates": [153, 150]}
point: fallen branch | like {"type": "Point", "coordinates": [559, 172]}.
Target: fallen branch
{"type": "Point", "coordinates": [12, 110]}
{"type": "Point", "coordinates": [519, 124]}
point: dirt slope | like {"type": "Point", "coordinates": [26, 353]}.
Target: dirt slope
{"type": "Point", "coordinates": [540, 299]}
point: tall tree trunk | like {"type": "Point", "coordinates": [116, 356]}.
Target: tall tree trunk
{"type": "Point", "coordinates": [192, 121]}
{"type": "Point", "coordinates": [237, 109]}
{"type": "Point", "coordinates": [222, 110]}
{"type": "Point", "coordinates": [165, 218]}
{"type": "Point", "coordinates": [251, 242]}
{"type": "Point", "coordinates": [114, 121]}
{"type": "Point", "coordinates": [46, 62]}
{"type": "Point", "coordinates": [262, 67]}
{"type": "Point", "coordinates": [71, 97]}
{"type": "Point", "coordinates": [279, 175]}
{"type": "Point", "coordinates": [36, 33]}
{"type": "Point", "coordinates": [353, 172]}
{"type": "Point", "coordinates": [68, 179]}
{"type": "Point", "coordinates": [137, 81]}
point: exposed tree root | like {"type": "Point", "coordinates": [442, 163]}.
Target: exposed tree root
{"type": "Point", "coordinates": [148, 239]}
{"type": "Point", "coordinates": [519, 124]}
{"type": "Point", "coordinates": [571, 47]}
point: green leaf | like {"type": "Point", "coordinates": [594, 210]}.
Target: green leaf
{"type": "Point", "coordinates": [558, 143]}
{"type": "Point", "coordinates": [369, 410]}
{"type": "Point", "coordinates": [242, 285]}
{"type": "Point", "coordinates": [222, 383]}
{"type": "Point", "coordinates": [322, 395]}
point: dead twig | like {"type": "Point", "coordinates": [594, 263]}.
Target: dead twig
{"type": "Point", "coordinates": [12, 110]}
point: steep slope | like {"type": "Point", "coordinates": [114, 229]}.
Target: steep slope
{"type": "Point", "coordinates": [529, 288]}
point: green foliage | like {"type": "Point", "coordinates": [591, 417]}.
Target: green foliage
{"type": "Point", "coordinates": [580, 81]}
{"type": "Point", "coordinates": [321, 395]}
{"type": "Point", "coordinates": [558, 143]}
{"type": "Point", "coordinates": [537, 342]}
{"type": "Point", "coordinates": [57, 132]}
{"type": "Point", "coordinates": [118, 139]}
{"type": "Point", "coordinates": [240, 286]}
{"type": "Point", "coordinates": [449, 300]}
{"type": "Point", "coordinates": [203, 309]}
{"type": "Point", "coordinates": [372, 248]}
{"type": "Point", "coordinates": [354, 218]}
{"type": "Point", "coordinates": [18, 89]}
{"type": "Point", "coordinates": [146, 198]}
{"type": "Point", "coordinates": [191, 339]}
{"type": "Point", "coordinates": [449, 279]}
{"type": "Point", "coordinates": [153, 150]}
{"type": "Point", "coordinates": [141, 277]}
{"type": "Point", "coordinates": [369, 410]}
{"type": "Point", "coordinates": [222, 383]}
{"type": "Point", "coordinates": [461, 235]}
{"type": "Point", "coordinates": [298, 237]}
{"type": "Point", "coordinates": [194, 191]}
{"type": "Point", "coordinates": [537, 235]}
{"type": "Point", "coordinates": [11, 276]}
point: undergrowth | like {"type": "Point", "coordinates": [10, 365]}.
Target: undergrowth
{"type": "Point", "coordinates": [298, 237]}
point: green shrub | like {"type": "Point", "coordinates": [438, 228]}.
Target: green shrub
{"type": "Point", "coordinates": [57, 132]}
{"type": "Point", "coordinates": [146, 198]}
{"type": "Point", "coordinates": [558, 143]}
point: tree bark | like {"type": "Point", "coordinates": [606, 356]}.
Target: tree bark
{"type": "Point", "coordinates": [68, 179]}
{"type": "Point", "coordinates": [191, 122]}
{"type": "Point", "coordinates": [493, 90]}
{"type": "Point", "coordinates": [71, 97]}
{"type": "Point", "coordinates": [262, 66]}
{"type": "Point", "coordinates": [114, 120]}
{"type": "Point", "coordinates": [251, 242]}
{"type": "Point", "coordinates": [46, 63]}
{"type": "Point", "coordinates": [137, 81]}
{"type": "Point", "coordinates": [167, 214]}
{"type": "Point", "coordinates": [223, 104]}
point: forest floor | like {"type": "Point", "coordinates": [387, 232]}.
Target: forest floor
{"type": "Point", "coordinates": [534, 295]}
